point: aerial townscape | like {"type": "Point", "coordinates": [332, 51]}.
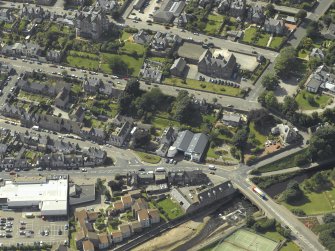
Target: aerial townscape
{"type": "Point", "coordinates": [184, 125]}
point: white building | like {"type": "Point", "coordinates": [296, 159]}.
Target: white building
{"type": "Point", "coordinates": [49, 196]}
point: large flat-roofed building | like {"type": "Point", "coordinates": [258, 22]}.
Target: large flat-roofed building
{"type": "Point", "coordinates": [50, 196]}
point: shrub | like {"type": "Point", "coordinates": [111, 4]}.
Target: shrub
{"type": "Point", "coordinates": [298, 212]}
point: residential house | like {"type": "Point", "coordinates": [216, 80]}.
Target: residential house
{"type": "Point", "coordinates": [95, 155]}
{"type": "Point", "coordinates": [98, 135]}
{"type": "Point", "coordinates": [54, 56]}
{"type": "Point", "coordinates": [145, 178]}
{"type": "Point", "coordinates": [45, 2]}
{"type": "Point", "coordinates": [151, 73]}
{"type": "Point", "coordinates": [91, 24]}
{"type": "Point", "coordinates": [330, 33]}
{"type": "Point", "coordinates": [92, 85]}
{"type": "Point", "coordinates": [88, 245]}
{"type": "Point", "coordinates": [317, 53]}
{"type": "Point", "coordinates": [168, 136]}
{"type": "Point", "coordinates": [136, 227]}
{"type": "Point", "coordinates": [234, 8]}
{"type": "Point", "coordinates": [127, 201]}
{"type": "Point", "coordinates": [79, 238]}
{"type": "Point", "coordinates": [138, 4]}
{"type": "Point", "coordinates": [287, 134]}
{"type": "Point", "coordinates": [139, 205]}
{"type": "Point", "coordinates": [78, 114]}
{"type": "Point", "coordinates": [142, 37]}
{"type": "Point", "coordinates": [275, 26]}
{"type": "Point", "coordinates": [178, 67]}
{"type": "Point", "coordinates": [62, 98]}
{"type": "Point", "coordinates": [255, 14]}
{"type": "Point", "coordinates": [6, 15]}
{"type": "Point", "coordinates": [125, 230]}
{"type": "Point", "coordinates": [154, 215]}
{"type": "Point", "coordinates": [37, 88]}
{"type": "Point", "coordinates": [187, 178]}
{"type": "Point", "coordinates": [220, 66]}
{"type": "Point", "coordinates": [119, 135]}
{"type": "Point", "coordinates": [107, 6]}
{"type": "Point", "coordinates": [94, 238]}
{"type": "Point", "coordinates": [168, 11]}
{"type": "Point", "coordinates": [30, 50]}
{"type": "Point", "coordinates": [118, 206]}
{"type": "Point", "coordinates": [231, 119]}
{"type": "Point", "coordinates": [192, 198]}
{"type": "Point", "coordinates": [104, 241]}
{"type": "Point", "coordinates": [33, 12]}
{"type": "Point", "coordinates": [321, 79]}
{"type": "Point", "coordinates": [163, 43]}
{"type": "Point", "coordinates": [117, 236]}
{"type": "Point", "coordinates": [143, 218]}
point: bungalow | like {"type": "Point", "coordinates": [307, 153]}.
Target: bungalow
{"type": "Point", "coordinates": [135, 226]}
{"type": "Point", "coordinates": [231, 119]}
{"type": "Point", "coordinates": [127, 201]}
{"type": "Point", "coordinates": [143, 218]}
{"type": "Point", "coordinates": [117, 236]}
{"type": "Point", "coordinates": [154, 215]}
{"type": "Point", "coordinates": [103, 241]}
{"type": "Point", "coordinates": [125, 230]}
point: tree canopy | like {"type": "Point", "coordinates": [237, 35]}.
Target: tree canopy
{"type": "Point", "coordinates": [270, 81]}
{"type": "Point", "coordinates": [284, 62]}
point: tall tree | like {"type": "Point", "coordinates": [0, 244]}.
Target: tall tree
{"type": "Point", "coordinates": [270, 81]}
{"type": "Point", "coordinates": [284, 62]}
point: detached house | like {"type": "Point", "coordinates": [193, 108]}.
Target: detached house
{"type": "Point", "coordinates": [92, 85]}
{"type": "Point", "coordinates": [62, 98]}
{"type": "Point", "coordinates": [275, 26]}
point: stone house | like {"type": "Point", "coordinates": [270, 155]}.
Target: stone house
{"type": "Point", "coordinates": [274, 26]}
{"type": "Point", "coordinates": [62, 98]}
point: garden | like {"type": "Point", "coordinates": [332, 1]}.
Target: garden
{"type": "Point", "coordinates": [311, 101]}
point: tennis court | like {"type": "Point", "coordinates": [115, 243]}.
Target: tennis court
{"type": "Point", "coordinates": [244, 240]}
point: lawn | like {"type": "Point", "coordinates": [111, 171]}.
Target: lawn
{"type": "Point", "coordinates": [249, 34]}
{"type": "Point", "coordinates": [211, 153]}
{"type": "Point", "coordinates": [134, 64]}
{"type": "Point", "coordinates": [76, 88]}
{"type": "Point", "coordinates": [213, 24]}
{"type": "Point", "coordinates": [162, 123]}
{"type": "Point", "coordinates": [314, 203]}
{"type": "Point", "coordinates": [133, 48]}
{"type": "Point", "coordinates": [303, 54]}
{"type": "Point", "coordinates": [263, 39]}
{"type": "Point", "coordinates": [276, 42]}
{"type": "Point", "coordinates": [80, 62]}
{"type": "Point", "coordinates": [172, 208]}
{"type": "Point", "coordinates": [283, 163]}
{"type": "Point", "coordinates": [204, 86]}
{"type": "Point", "coordinates": [148, 158]}
{"type": "Point", "coordinates": [125, 36]}
{"type": "Point", "coordinates": [33, 97]}
{"type": "Point", "coordinates": [258, 136]}
{"type": "Point", "coordinates": [289, 246]}
{"type": "Point", "coordinates": [320, 101]}
{"type": "Point", "coordinates": [157, 59]}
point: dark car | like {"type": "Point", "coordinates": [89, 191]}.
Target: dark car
{"type": "Point", "coordinates": [10, 218]}
{"type": "Point", "coordinates": [141, 169]}
{"type": "Point", "coordinates": [9, 236]}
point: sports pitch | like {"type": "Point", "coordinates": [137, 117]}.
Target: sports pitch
{"type": "Point", "coordinates": [244, 240]}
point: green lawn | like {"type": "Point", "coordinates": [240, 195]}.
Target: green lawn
{"type": "Point", "coordinates": [172, 208]}
{"type": "Point", "coordinates": [85, 63]}
{"type": "Point", "coordinates": [283, 163]}
{"type": "Point", "coordinates": [289, 246]}
{"type": "Point", "coordinates": [211, 153]}
{"type": "Point", "coordinates": [33, 97]}
{"type": "Point", "coordinates": [83, 55]}
{"type": "Point", "coordinates": [320, 101]}
{"type": "Point", "coordinates": [204, 86]}
{"type": "Point", "coordinates": [125, 35]}
{"type": "Point", "coordinates": [314, 203]}
{"type": "Point", "coordinates": [162, 123]}
{"type": "Point", "coordinates": [258, 136]}
{"type": "Point", "coordinates": [157, 59]}
{"type": "Point", "coordinates": [76, 88]}
{"type": "Point", "coordinates": [213, 24]}
{"type": "Point", "coordinates": [132, 48]}
{"type": "Point", "coordinates": [263, 39]}
{"type": "Point", "coordinates": [276, 42]}
{"type": "Point", "coordinates": [249, 34]}
{"type": "Point", "coordinates": [148, 158]}
{"type": "Point", "coordinates": [302, 53]}
{"type": "Point", "coordinates": [134, 64]}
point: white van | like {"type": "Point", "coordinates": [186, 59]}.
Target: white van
{"type": "Point", "coordinates": [160, 169]}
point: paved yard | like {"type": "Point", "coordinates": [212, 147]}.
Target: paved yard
{"type": "Point", "coordinates": [35, 226]}
{"type": "Point", "coordinates": [287, 88]}
{"type": "Point", "coordinates": [190, 50]}
{"type": "Point", "coordinates": [150, 9]}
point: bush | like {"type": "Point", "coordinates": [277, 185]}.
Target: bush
{"type": "Point", "coordinates": [298, 212]}
{"type": "Point", "coordinates": [301, 160]}
{"type": "Point", "coordinates": [328, 218]}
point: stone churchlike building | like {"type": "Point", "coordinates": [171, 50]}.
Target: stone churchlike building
{"type": "Point", "coordinates": [91, 24]}
{"type": "Point", "coordinates": [219, 66]}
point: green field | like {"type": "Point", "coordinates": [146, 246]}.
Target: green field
{"type": "Point", "coordinates": [204, 86]}
{"type": "Point", "coordinates": [284, 163]}
{"type": "Point", "coordinates": [172, 208]}
{"type": "Point", "coordinates": [314, 203]}
{"type": "Point", "coordinates": [133, 48]}
{"type": "Point", "coordinates": [263, 39]}
{"type": "Point", "coordinates": [80, 62]}
{"type": "Point", "coordinates": [134, 64]}
{"type": "Point", "coordinates": [249, 34]}
{"type": "Point", "coordinates": [258, 136]}
{"type": "Point", "coordinates": [320, 101]}
{"type": "Point", "coordinates": [276, 42]}
{"type": "Point", "coordinates": [213, 24]}
{"type": "Point", "coordinates": [148, 158]}
{"type": "Point", "coordinates": [162, 123]}
{"type": "Point", "coordinates": [33, 97]}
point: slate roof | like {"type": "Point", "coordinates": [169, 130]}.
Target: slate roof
{"type": "Point", "coordinates": [198, 143]}
{"type": "Point", "coordinates": [183, 140]}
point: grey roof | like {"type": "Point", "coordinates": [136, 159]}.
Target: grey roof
{"type": "Point", "coordinates": [183, 140]}
{"type": "Point", "coordinates": [314, 83]}
{"type": "Point", "coordinates": [179, 64]}
{"type": "Point", "coordinates": [164, 16]}
{"type": "Point", "coordinates": [198, 143]}
{"type": "Point", "coordinates": [231, 117]}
